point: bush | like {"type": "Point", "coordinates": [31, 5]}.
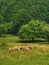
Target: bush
{"type": "Point", "coordinates": [34, 29]}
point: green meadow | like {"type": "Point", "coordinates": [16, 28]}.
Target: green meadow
{"type": "Point", "coordinates": [37, 56]}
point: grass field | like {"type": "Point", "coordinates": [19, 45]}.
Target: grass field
{"type": "Point", "coordinates": [39, 55]}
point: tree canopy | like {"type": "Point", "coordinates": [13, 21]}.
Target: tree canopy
{"type": "Point", "coordinates": [37, 9]}
{"type": "Point", "coordinates": [34, 29]}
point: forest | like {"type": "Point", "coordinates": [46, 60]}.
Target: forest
{"type": "Point", "coordinates": [17, 16]}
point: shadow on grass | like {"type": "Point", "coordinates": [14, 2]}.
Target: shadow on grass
{"type": "Point", "coordinates": [33, 41]}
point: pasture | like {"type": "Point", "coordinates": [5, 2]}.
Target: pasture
{"type": "Point", "coordinates": [38, 55]}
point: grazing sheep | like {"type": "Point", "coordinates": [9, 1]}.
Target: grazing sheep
{"type": "Point", "coordinates": [14, 49]}
{"type": "Point", "coordinates": [30, 47]}
{"type": "Point", "coordinates": [25, 48]}
{"type": "Point", "coordinates": [17, 48]}
{"type": "Point", "coordinates": [10, 49]}
{"type": "Point", "coordinates": [20, 48]}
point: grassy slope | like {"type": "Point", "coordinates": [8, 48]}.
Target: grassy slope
{"type": "Point", "coordinates": [36, 56]}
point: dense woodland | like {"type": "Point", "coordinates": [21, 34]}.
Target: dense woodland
{"type": "Point", "coordinates": [27, 18]}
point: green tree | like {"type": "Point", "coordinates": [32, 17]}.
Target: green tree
{"type": "Point", "coordinates": [21, 17]}
{"type": "Point", "coordinates": [34, 29]}
{"type": "Point", "coordinates": [26, 33]}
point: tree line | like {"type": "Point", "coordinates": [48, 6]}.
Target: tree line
{"type": "Point", "coordinates": [25, 17]}
{"type": "Point", "coordinates": [13, 10]}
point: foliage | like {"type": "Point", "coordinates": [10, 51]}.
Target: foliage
{"type": "Point", "coordinates": [34, 29]}
{"type": "Point", "coordinates": [21, 17]}
{"type": "Point", "coordinates": [37, 9]}
{"type": "Point", "coordinates": [16, 13]}
{"type": "Point", "coordinates": [2, 30]}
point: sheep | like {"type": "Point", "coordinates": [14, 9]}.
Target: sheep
{"type": "Point", "coordinates": [20, 48]}
{"type": "Point", "coordinates": [25, 48]}
{"type": "Point", "coordinates": [14, 49]}
{"type": "Point", "coordinates": [30, 47]}
{"type": "Point", "coordinates": [10, 49]}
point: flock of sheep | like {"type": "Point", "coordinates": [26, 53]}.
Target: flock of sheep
{"type": "Point", "coordinates": [19, 48]}
{"type": "Point", "coordinates": [26, 48]}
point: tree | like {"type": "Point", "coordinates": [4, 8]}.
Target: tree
{"type": "Point", "coordinates": [34, 29]}
{"type": "Point", "coordinates": [21, 17]}
{"type": "Point", "coordinates": [26, 33]}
